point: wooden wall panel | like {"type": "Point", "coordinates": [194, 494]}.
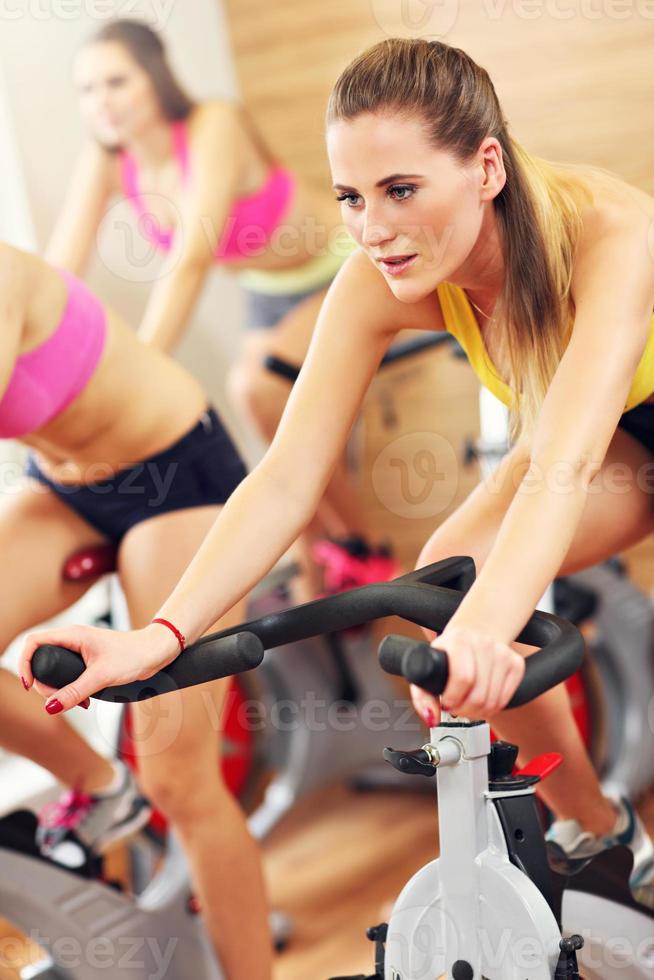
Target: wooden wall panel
{"type": "Point", "coordinates": [575, 87]}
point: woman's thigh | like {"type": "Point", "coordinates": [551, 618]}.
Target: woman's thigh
{"type": "Point", "coordinates": [619, 510]}
{"type": "Point", "coordinates": [182, 726]}
{"type": "Point", "coordinates": [37, 533]}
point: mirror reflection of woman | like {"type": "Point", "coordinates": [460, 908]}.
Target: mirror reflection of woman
{"type": "Point", "coordinates": [207, 191]}
{"type": "Point", "coordinates": [124, 451]}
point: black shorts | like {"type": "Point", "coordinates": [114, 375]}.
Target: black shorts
{"type": "Point", "coordinates": [201, 468]}
{"type": "Point", "coordinates": [639, 422]}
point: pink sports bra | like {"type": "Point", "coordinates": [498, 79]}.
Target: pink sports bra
{"type": "Point", "coordinates": [251, 222]}
{"type": "Point", "coordinates": [49, 378]}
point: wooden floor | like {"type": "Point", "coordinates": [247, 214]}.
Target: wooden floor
{"type": "Point", "coordinates": [335, 864]}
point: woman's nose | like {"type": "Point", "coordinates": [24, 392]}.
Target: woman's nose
{"type": "Point", "coordinates": [375, 233]}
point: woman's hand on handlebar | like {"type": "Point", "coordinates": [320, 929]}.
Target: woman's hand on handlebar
{"type": "Point", "coordinates": [483, 676]}
{"type": "Point", "coordinates": [110, 657]}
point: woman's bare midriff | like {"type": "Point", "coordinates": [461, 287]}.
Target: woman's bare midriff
{"type": "Point", "coordinates": [137, 404]}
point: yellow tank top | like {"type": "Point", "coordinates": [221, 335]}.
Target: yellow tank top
{"type": "Point", "coordinates": [460, 321]}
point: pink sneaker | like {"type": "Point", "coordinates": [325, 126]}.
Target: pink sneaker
{"type": "Point", "coordinates": [351, 562]}
{"type": "Point", "coordinates": [94, 820]}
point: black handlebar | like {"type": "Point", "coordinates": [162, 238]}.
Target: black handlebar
{"type": "Point", "coordinates": [560, 656]}
{"type": "Point", "coordinates": [206, 660]}
{"type": "Point", "coordinates": [428, 597]}
{"type": "Point", "coordinates": [398, 352]}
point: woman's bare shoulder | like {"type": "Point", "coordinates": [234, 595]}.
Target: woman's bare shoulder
{"type": "Point", "coordinates": [212, 112]}
{"type": "Point", "coordinates": [616, 234]}
{"type": "Point", "coordinates": [362, 287]}
{"type": "Point", "coordinates": [611, 200]}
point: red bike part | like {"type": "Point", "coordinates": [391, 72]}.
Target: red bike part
{"type": "Point", "coordinates": [542, 765]}
{"type": "Point", "coordinates": [581, 707]}
{"type": "Point", "coordinates": [90, 563]}
{"type": "Point", "coordinates": [579, 701]}
{"type": "Point", "coordinates": [237, 747]}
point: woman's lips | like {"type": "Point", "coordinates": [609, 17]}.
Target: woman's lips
{"type": "Point", "coordinates": [396, 265]}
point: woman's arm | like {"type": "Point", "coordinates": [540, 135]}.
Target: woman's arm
{"type": "Point", "coordinates": [357, 322]}
{"type": "Point", "coordinates": [89, 189]}
{"type": "Point", "coordinates": [214, 165]}
{"type": "Point", "coordinates": [613, 291]}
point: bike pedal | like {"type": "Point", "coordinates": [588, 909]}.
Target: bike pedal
{"type": "Point", "coordinates": [567, 967]}
{"type": "Point", "coordinates": [378, 934]}
{"type": "Point", "coordinates": [359, 976]}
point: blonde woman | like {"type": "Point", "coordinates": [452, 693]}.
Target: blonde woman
{"type": "Point", "coordinates": [545, 273]}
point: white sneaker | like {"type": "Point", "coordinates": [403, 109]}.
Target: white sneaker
{"type": "Point", "coordinates": [628, 831]}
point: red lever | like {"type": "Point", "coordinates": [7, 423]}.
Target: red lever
{"type": "Point", "coordinates": [542, 765]}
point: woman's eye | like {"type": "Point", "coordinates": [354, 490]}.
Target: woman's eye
{"type": "Point", "coordinates": [350, 198]}
{"type": "Point", "coordinates": [404, 191]}
{"type": "Point", "coordinates": [116, 82]}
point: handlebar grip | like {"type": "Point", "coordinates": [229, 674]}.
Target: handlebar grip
{"type": "Point", "coordinates": [561, 656]}
{"type": "Point", "coordinates": [206, 660]}
{"type": "Point", "coordinates": [415, 660]}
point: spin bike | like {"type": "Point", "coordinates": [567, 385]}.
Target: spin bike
{"type": "Point", "coordinates": [500, 904]}
{"type": "Point", "coordinates": [496, 905]}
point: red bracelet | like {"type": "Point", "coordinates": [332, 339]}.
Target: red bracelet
{"type": "Point", "coordinates": [181, 639]}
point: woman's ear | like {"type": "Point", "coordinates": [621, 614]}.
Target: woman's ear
{"type": "Point", "coordinates": [493, 174]}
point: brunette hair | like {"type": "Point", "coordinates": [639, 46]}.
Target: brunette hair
{"type": "Point", "coordinates": [148, 50]}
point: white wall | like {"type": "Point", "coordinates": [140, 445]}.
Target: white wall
{"type": "Point", "coordinates": [16, 227]}
{"type": "Point", "coordinates": [38, 41]}
{"type": "Point", "coordinates": [16, 224]}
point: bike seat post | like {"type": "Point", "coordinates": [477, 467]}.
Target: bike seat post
{"type": "Point", "coordinates": [463, 829]}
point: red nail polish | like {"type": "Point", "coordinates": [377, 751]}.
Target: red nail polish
{"type": "Point", "coordinates": [430, 717]}
{"type": "Point", "coordinates": [86, 703]}
{"type": "Point", "coordinates": [54, 707]}
{"type": "Point", "coordinates": [24, 683]}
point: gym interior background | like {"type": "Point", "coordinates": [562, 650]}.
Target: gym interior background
{"type": "Point", "coordinates": [576, 82]}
